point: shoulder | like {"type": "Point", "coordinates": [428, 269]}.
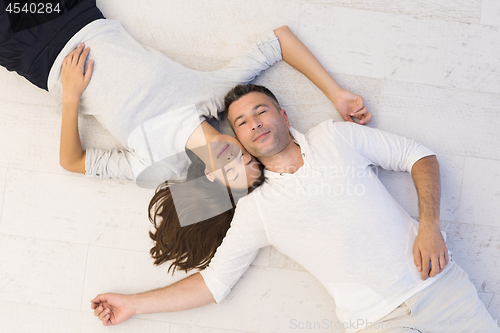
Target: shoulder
{"type": "Point", "coordinates": [326, 127]}
{"type": "Point", "coordinates": [330, 130]}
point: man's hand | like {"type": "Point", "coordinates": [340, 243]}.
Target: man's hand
{"type": "Point", "coordinates": [74, 81]}
{"type": "Point", "coordinates": [430, 251]}
{"type": "Point", "coordinates": [349, 104]}
{"type": "Point", "coordinates": [112, 309]}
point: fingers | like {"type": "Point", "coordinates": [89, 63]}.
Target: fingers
{"type": "Point", "coordinates": [90, 69]}
{"type": "Point", "coordinates": [417, 259]}
{"type": "Point", "coordinates": [98, 299]}
{"type": "Point", "coordinates": [73, 57]}
{"type": "Point", "coordinates": [102, 310]}
{"type": "Point", "coordinates": [435, 267]}
{"type": "Point", "coordinates": [425, 268]}
{"type": "Point", "coordinates": [360, 103]}
{"type": "Point", "coordinates": [83, 57]}
{"type": "Point", "coordinates": [422, 262]}
{"type": "Point", "coordinates": [98, 310]}
{"type": "Point", "coordinates": [367, 117]}
{"type": "Point", "coordinates": [104, 314]}
{"type": "Point", "coordinates": [442, 261]}
{"type": "Point", "coordinates": [359, 113]}
{"type": "Point", "coordinates": [348, 118]}
{"type": "Point", "coordinates": [363, 115]}
{"type": "Point", "coordinates": [75, 54]}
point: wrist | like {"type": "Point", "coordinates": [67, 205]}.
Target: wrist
{"type": "Point", "coordinates": [133, 302]}
{"type": "Point", "coordinates": [432, 224]}
{"type": "Point", "coordinates": [335, 94]}
{"type": "Point", "coordinates": [71, 99]}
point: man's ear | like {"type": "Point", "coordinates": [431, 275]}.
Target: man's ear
{"type": "Point", "coordinates": [285, 116]}
{"type": "Point", "coordinates": [209, 175]}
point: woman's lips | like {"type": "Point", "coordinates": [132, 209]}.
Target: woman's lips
{"type": "Point", "coordinates": [223, 150]}
{"type": "Point", "coordinates": [262, 135]}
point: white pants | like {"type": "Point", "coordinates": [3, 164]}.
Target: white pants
{"type": "Point", "coordinates": [449, 305]}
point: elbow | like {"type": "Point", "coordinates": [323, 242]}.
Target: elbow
{"type": "Point", "coordinates": [64, 164]}
{"type": "Point", "coordinates": [427, 163]}
{"type": "Point", "coordinates": [282, 30]}
{"type": "Point", "coordinates": [68, 166]}
{"type": "Point", "coordinates": [73, 165]}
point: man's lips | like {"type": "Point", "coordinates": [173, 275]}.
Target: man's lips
{"type": "Point", "coordinates": [260, 135]}
{"type": "Point", "coordinates": [226, 147]}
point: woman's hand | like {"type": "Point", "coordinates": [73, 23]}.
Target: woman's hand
{"type": "Point", "coordinates": [349, 104]}
{"type": "Point", "coordinates": [74, 77]}
{"type": "Point", "coordinates": [112, 309]}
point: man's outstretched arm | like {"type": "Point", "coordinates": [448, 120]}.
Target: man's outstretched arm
{"type": "Point", "coordinates": [429, 246]}
{"type": "Point", "coordinates": [189, 293]}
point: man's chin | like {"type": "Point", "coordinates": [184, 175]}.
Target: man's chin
{"type": "Point", "coordinates": [258, 153]}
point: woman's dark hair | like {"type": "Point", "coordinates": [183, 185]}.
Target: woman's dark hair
{"type": "Point", "coordinates": [191, 246]}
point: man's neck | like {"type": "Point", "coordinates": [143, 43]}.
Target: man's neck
{"type": "Point", "coordinates": [289, 160]}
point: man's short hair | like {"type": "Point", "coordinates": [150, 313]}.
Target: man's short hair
{"type": "Point", "coordinates": [244, 89]}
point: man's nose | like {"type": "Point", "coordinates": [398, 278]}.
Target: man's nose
{"type": "Point", "coordinates": [256, 124]}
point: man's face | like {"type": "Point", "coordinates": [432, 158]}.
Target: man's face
{"type": "Point", "coordinates": [259, 125]}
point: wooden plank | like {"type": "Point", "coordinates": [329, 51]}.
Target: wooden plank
{"type": "Point", "coordinates": [490, 12]}
{"type": "Point", "coordinates": [480, 199]}
{"type": "Point", "coordinates": [475, 248]}
{"type": "Point", "coordinates": [402, 47]}
{"type": "Point", "coordinates": [458, 10]}
{"type": "Point", "coordinates": [76, 209]}
{"type": "Point", "coordinates": [42, 272]}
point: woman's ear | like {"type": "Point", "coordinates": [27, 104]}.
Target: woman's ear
{"type": "Point", "coordinates": [209, 175]}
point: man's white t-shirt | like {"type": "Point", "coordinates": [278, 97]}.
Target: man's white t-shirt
{"type": "Point", "coordinates": [334, 217]}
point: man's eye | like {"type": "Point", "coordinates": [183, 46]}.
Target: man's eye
{"type": "Point", "coordinates": [262, 112]}
{"type": "Point", "coordinates": [241, 123]}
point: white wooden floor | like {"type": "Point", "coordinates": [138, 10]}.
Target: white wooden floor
{"type": "Point", "coordinates": [429, 70]}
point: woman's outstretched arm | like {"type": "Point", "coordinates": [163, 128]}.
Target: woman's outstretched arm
{"type": "Point", "coordinates": [296, 54]}
{"type": "Point", "coordinates": [71, 156]}
{"type": "Point", "coordinates": [189, 293]}
{"type": "Point", "coordinates": [74, 82]}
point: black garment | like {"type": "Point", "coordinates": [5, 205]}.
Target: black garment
{"type": "Point", "coordinates": [31, 52]}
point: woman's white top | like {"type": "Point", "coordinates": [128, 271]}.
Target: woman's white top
{"type": "Point", "coordinates": [148, 102]}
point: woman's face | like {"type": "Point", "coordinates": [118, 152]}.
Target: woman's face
{"type": "Point", "coordinates": [227, 153]}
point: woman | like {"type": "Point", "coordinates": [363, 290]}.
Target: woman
{"type": "Point", "coordinates": [156, 109]}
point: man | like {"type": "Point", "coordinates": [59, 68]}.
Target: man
{"type": "Point", "coordinates": [386, 272]}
